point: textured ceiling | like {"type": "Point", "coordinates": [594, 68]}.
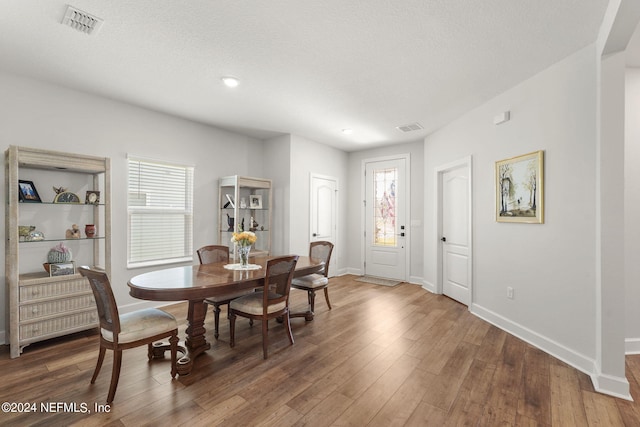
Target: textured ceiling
{"type": "Point", "coordinates": [310, 68]}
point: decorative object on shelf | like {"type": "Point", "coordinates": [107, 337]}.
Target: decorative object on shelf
{"type": "Point", "coordinates": [35, 236]}
{"type": "Point", "coordinates": [59, 254]}
{"type": "Point", "coordinates": [24, 230]}
{"type": "Point", "coordinates": [27, 192]}
{"type": "Point", "coordinates": [62, 269]}
{"type": "Point", "coordinates": [254, 225]}
{"type": "Point", "coordinates": [64, 196]}
{"type": "Point", "coordinates": [229, 223]}
{"type": "Point", "coordinates": [243, 203]}
{"type": "Point", "coordinates": [73, 232]}
{"type": "Point", "coordinates": [92, 197]}
{"type": "Point", "coordinates": [90, 230]}
{"type": "Point", "coordinates": [243, 242]}
{"type": "Point", "coordinates": [229, 202]}
{"type": "Point", "coordinates": [255, 201]}
{"type": "Point", "coordinates": [241, 226]}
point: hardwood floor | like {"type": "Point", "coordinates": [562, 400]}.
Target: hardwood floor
{"type": "Point", "coordinates": [384, 356]}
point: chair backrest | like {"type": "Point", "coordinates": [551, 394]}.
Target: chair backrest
{"type": "Point", "coordinates": [105, 301]}
{"type": "Point", "coordinates": [322, 250]}
{"type": "Point", "coordinates": [213, 253]}
{"type": "Point", "coordinates": [277, 280]}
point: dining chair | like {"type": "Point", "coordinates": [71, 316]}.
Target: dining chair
{"type": "Point", "coordinates": [121, 332]}
{"type": "Point", "coordinates": [272, 302]}
{"type": "Point", "coordinates": [218, 253]}
{"type": "Point", "coordinates": [314, 282]}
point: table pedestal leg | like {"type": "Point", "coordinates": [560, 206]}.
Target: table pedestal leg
{"type": "Point", "coordinates": [160, 347]}
{"type": "Point", "coordinates": [196, 343]}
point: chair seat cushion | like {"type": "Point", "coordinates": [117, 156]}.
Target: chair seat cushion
{"type": "Point", "coordinates": [142, 324]}
{"type": "Point", "coordinates": [223, 299]}
{"type": "Point", "coordinates": [252, 304]}
{"type": "Point", "coordinates": [311, 281]}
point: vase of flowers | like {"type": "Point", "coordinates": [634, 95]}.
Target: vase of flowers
{"type": "Point", "coordinates": [243, 241]}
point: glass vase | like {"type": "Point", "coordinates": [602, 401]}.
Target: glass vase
{"type": "Point", "coordinates": [243, 253]}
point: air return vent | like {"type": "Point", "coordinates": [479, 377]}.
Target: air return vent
{"type": "Point", "coordinates": [81, 21]}
{"type": "Point", "coordinates": [410, 127]}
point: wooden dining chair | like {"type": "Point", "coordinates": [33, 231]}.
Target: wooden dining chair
{"type": "Point", "coordinates": [314, 282]}
{"type": "Point", "coordinates": [218, 253]}
{"type": "Point", "coordinates": [272, 302]}
{"type": "Point", "coordinates": [130, 330]}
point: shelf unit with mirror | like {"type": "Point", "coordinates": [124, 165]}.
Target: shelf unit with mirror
{"type": "Point", "coordinates": [245, 201]}
{"type": "Point", "coordinates": [48, 192]}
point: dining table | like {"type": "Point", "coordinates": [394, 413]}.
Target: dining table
{"type": "Point", "coordinates": [195, 283]}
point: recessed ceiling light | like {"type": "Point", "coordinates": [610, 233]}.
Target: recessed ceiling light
{"type": "Point", "coordinates": [347, 131]}
{"type": "Point", "coordinates": [230, 81]}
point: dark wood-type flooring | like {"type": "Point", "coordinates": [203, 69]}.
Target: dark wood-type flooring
{"type": "Point", "coordinates": [384, 356]}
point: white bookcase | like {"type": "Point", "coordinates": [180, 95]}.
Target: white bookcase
{"type": "Point", "coordinates": [40, 306]}
{"type": "Point", "coordinates": [242, 199]}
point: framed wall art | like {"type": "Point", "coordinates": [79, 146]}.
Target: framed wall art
{"type": "Point", "coordinates": [520, 189]}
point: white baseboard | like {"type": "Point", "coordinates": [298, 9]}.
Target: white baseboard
{"type": "Point", "coordinates": [632, 346]}
{"type": "Point", "coordinates": [428, 286]}
{"type": "Point", "coordinates": [614, 386]}
{"type": "Point", "coordinates": [354, 271]}
{"type": "Point", "coordinates": [414, 280]}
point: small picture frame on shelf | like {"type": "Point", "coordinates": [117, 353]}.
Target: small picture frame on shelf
{"type": "Point", "coordinates": [27, 192]}
{"type": "Point", "coordinates": [255, 201]}
{"type": "Point", "coordinates": [229, 202]}
{"type": "Point", "coordinates": [92, 197]}
{"type": "Point", "coordinates": [62, 269]}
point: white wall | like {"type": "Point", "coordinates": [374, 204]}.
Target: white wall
{"type": "Point", "coordinates": [308, 157]}
{"type": "Point", "coordinates": [41, 115]}
{"type": "Point", "coordinates": [632, 210]}
{"type": "Point", "coordinates": [354, 209]}
{"type": "Point", "coordinates": [277, 152]}
{"type": "Point", "coordinates": [551, 266]}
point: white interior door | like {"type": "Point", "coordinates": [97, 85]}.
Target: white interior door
{"type": "Point", "coordinates": [323, 209]}
{"type": "Point", "coordinates": [385, 230]}
{"type": "Point", "coordinates": [456, 235]}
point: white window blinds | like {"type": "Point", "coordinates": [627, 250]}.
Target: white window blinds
{"type": "Point", "coordinates": [160, 213]}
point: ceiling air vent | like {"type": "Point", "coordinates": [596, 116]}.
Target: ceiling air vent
{"type": "Point", "coordinates": [81, 21]}
{"type": "Point", "coordinates": [410, 127]}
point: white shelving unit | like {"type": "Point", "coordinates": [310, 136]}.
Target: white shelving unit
{"type": "Point", "coordinates": [243, 198]}
{"type": "Point", "coordinates": [40, 307]}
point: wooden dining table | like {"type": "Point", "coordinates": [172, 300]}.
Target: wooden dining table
{"type": "Point", "coordinates": [194, 283]}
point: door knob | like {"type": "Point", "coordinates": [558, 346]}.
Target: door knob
{"type": "Point", "coordinates": [444, 239]}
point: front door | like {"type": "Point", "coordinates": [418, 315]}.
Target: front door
{"type": "Point", "coordinates": [456, 236]}
{"type": "Point", "coordinates": [385, 230]}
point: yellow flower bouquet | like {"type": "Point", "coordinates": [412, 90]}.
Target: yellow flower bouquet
{"type": "Point", "coordinates": [244, 238]}
{"type": "Point", "coordinates": [243, 242]}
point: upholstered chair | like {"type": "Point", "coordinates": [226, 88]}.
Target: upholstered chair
{"type": "Point", "coordinates": [272, 302]}
{"type": "Point", "coordinates": [130, 330]}
{"type": "Point", "coordinates": [218, 253]}
{"type": "Point", "coordinates": [314, 282]}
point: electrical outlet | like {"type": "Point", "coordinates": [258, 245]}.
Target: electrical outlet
{"type": "Point", "coordinates": [509, 292]}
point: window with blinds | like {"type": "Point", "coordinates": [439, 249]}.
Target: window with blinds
{"type": "Point", "coordinates": [160, 213]}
